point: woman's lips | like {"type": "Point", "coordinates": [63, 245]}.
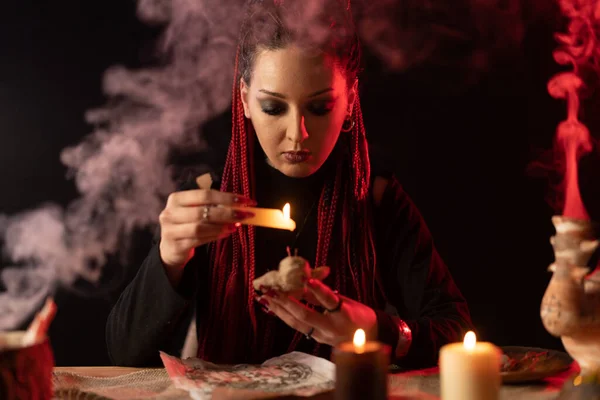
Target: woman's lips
{"type": "Point", "coordinates": [296, 157]}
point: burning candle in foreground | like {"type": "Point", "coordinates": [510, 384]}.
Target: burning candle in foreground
{"type": "Point", "coordinates": [361, 369]}
{"type": "Point", "coordinates": [269, 217]}
{"type": "Point", "coordinates": [470, 370]}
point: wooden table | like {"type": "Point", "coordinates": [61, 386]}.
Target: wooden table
{"type": "Point", "coordinates": [422, 384]}
{"type": "Point", "coordinates": [102, 372]}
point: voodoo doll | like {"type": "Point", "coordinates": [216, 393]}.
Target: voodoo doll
{"type": "Point", "coordinates": [291, 276]}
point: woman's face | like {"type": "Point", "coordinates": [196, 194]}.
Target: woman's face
{"type": "Point", "coordinates": [297, 103]}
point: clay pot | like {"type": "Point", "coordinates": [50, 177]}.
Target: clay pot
{"type": "Point", "coordinates": [25, 372]}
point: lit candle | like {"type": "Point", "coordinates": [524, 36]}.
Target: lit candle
{"type": "Point", "coordinates": [361, 369]}
{"type": "Point", "coordinates": [470, 370]}
{"type": "Point", "coordinates": [269, 217]}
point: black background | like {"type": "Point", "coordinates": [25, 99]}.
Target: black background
{"type": "Point", "coordinates": [461, 155]}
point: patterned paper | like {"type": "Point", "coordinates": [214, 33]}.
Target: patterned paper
{"type": "Point", "coordinates": [295, 373]}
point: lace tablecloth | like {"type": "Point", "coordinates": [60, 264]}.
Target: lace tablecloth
{"type": "Point", "coordinates": [130, 383]}
{"type": "Point", "coordinates": [114, 383]}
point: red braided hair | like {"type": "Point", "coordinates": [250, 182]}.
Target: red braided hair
{"type": "Point", "coordinates": [229, 331]}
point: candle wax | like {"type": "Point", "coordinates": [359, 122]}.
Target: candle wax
{"type": "Point", "coordinates": [361, 371]}
{"type": "Point", "coordinates": [268, 218]}
{"type": "Point", "coordinates": [470, 374]}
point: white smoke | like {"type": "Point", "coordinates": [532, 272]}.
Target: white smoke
{"type": "Point", "coordinates": [462, 39]}
{"type": "Point", "coordinates": [121, 168]}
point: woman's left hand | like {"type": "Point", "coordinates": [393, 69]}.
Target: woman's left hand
{"type": "Point", "coordinates": [342, 318]}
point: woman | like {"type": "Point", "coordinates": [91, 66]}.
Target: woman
{"type": "Point", "coordinates": [298, 138]}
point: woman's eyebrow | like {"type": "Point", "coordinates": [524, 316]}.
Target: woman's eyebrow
{"type": "Point", "coordinates": [281, 96]}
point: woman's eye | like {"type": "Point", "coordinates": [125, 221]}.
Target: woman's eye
{"type": "Point", "coordinates": [273, 109]}
{"type": "Point", "coordinates": [322, 108]}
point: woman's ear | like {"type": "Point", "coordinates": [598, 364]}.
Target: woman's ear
{"type": "Point", "coordinates": [244, 91]}
{"type": "Point", "coordinates": [352, 96]}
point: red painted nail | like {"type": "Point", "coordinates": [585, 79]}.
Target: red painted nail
{"type": "Point", "coordinates": [241, 215]}
{"type": "Point", "coordinates": [267, 311]}
{"type": "Point", "coordinates": [262, 301]}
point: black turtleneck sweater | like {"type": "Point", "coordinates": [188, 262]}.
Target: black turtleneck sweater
{"type": "Point", "coordinates": [274, 190]}
{"type": "Point", "coordinates": [150, 315]}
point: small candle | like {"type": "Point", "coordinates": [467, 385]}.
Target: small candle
{"type": "Point", "coordinates": [361, 369]}
{"type": "Point", "coordinates": [269, 217]}
{"type": "Point", "coordinates": [470, 370]}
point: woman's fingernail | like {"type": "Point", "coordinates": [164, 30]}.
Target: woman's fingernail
{"type": "Point", "coordinates": [262, 301]}
{"type": "Point", "coordinates": [312, 282]}
{"type": "Point", "coordinates": [237, 224]}
{"type": "Point", "coordinates": [241, 215]}
{"type": "Point", "coordinates": [267, 311]}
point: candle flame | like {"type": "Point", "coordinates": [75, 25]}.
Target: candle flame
{"type": "Point", "coordinates": [286, 211]}
{"type": "Point", "coordinates": [359, 338]}
{"type": "Point", "coordinates": [470, 340]}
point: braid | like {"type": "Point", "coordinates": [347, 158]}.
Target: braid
{"type": "Point", "coordinates": [365, 241]}
{"type": "Point", "coordinates": [247, 240]}
{"type": "Point", "coordinates": [232, 260]}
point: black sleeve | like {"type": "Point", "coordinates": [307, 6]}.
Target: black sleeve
{"type": "Point", "coordinates": [418, 285]}
{"type": "Point", "coordinates": [150, 315]}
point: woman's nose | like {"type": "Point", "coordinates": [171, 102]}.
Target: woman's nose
{"type": "Point", "coordinates": [297, 132]}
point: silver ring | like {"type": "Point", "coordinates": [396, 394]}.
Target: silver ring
{"type": "Point", "coordinates": [309, 333]}
{"type": "Point", "coordinates": [205, 213]}
{"type": "Point", "coordinates": [338, 305]}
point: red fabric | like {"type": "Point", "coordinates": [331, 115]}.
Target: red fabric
{"type": "Point", "coordinates": [27, 373]}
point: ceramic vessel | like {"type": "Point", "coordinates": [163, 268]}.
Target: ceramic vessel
{"type": "Point", "coordinates": [25, 372]}
{"type": "Point", "coordinates": [571, 305]}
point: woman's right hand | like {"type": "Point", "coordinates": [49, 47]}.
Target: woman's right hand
{"type": "Point", "coordinates": [191, 218]}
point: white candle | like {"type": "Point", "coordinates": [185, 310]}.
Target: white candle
{"type": "Point", "coordinates": [470, 370]}
{"type": "Point", "coordinates": [269, 217]}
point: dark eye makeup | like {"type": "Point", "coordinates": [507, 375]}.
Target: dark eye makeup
{"type": "Point", "coordinates": [321, 107]}
{"type": "Point", "coordinates": [273, 107]}
{"type": "Point", "coordinates": [318, 107]}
